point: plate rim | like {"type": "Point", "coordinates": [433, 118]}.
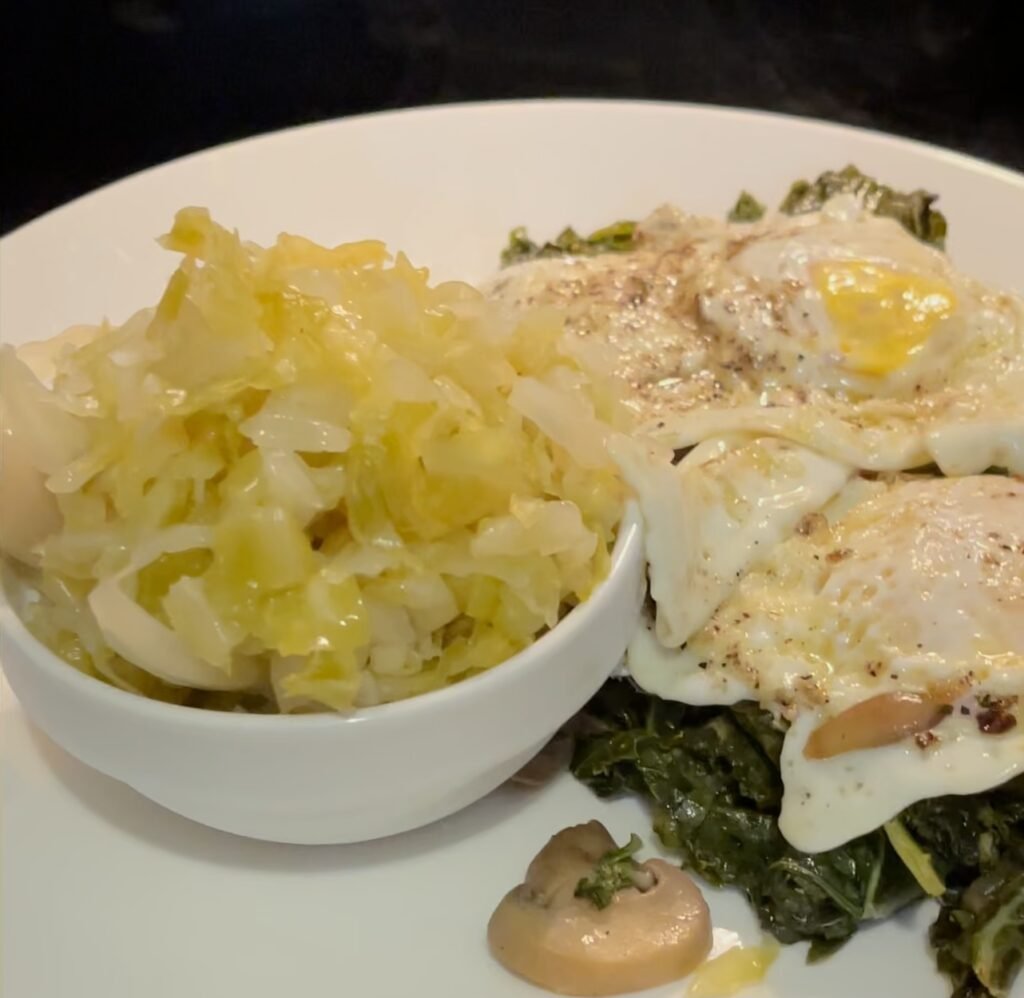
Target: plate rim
{"type": "Point", "coordinates": [63, 215]}
{"type": "Point", "coordinates": [953, 157]}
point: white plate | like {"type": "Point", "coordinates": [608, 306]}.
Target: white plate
{"type": "Point", "coordinates": [106, 895]}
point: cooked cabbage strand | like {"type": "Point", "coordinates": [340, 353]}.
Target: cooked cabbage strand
{"type": "Point", "coordinates": [312, 480]}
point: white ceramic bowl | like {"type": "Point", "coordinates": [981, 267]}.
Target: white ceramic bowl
{"type": "Point", "coordinates": [335, 778]}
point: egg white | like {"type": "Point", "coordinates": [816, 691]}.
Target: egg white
{"type": "Point", "coordinates": [895, 585]}
{"type": "Point", "coordinates": [715, 513]}
{"type": "Point", "coordinates": [936, 406]}
{"type": "Point", "coordinates": [642, 307]}
{"type": "Point", "coordinates": [829, 801]}
{"type": "Point", "coordinates": [778, 572]}
{"type": "Point", "coordinates": [720, 329]}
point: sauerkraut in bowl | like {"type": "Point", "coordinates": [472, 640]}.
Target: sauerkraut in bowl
{"type": "Point", "coordinates": [305, 480]}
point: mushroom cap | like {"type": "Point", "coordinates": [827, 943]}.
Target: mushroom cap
{"type": "Point", "coordinates": [542, 932]}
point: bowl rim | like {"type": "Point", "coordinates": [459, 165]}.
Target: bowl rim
{"type": "Point", "coordinates": [628, 547]}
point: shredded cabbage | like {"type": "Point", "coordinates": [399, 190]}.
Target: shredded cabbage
{"type": "Point", "coordinates": [308, 479]}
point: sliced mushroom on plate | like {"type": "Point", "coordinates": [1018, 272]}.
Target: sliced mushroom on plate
{"type": "Point", "coordinates": [590, 920]}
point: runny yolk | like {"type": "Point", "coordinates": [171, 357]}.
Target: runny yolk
{"type": "Point", "coordinates": [882, 317]}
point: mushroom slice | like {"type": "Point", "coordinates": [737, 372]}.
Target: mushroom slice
{"type": "Point", "coordinates": [880, 720]}
{"type": "Point", "coordinates": [654, 927]}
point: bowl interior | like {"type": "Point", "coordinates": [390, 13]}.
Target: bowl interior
{"type": "Point", "coordinates": [627, 560]}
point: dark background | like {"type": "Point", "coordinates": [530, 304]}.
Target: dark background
{"type": "Point", "coordinates": [96, 89]}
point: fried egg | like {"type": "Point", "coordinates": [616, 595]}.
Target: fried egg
{"type": "Point", "coordinates": [838, 330]}
{"type": "Point", "coordinates": [711, 516]}
{"type": "Point", "coordinates": [913, 585]}
{"type": "Point", "coordinates": [641, 306]}
{"type": "Point", "coordinates": [784, 375]}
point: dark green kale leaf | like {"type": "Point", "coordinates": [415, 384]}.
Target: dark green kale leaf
{"type": "Point", "coordinates": [712, 776]}
{"type": "Point", "coordinates": [614, 871]}
{"type": "Point", "coordinates": [979, 935]}
{"type": "Point", "coordinates": [912, 210]}
{"type": "Point", "coordinates": [760, 726]}
{"type": "Point", "coordinates": [826, 896]}
{"type": "Point", "coordinates": [968, 835]}
{"type": "Point", "coordinates": [746, 209]}
{"type": "Point", "coordinates": [977, 843]}
{"type": "Point", "coordinates": [616, 238]}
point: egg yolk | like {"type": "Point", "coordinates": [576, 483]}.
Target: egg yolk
{"type": "Point", "coordinates": [882, 316]}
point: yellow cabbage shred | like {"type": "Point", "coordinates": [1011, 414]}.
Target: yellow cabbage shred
{"type": "Point", "coordinates": [733, 971]}
{"type": "Point", "coordinates": [395, 485]}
